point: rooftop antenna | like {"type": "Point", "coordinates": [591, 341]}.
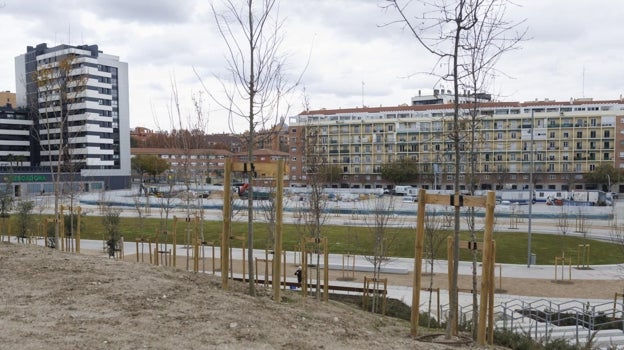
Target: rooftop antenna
{"type": "Point", "coordinates": [362, 94]}
{"type": "Point", "coordinates": [583, 87]}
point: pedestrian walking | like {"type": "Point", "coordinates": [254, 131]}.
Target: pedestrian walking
{"type": "Point", "coordinates": [298, 274]}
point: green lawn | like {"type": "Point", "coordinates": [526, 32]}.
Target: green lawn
{"type": "Point", "coordinates": [511, 247]}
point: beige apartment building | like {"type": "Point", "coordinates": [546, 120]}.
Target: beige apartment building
{"type": "Point", "coordinates": [8, 98]}
{"type": "Point", "coordinates": [570, 139]}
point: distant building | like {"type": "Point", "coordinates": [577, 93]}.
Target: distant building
{"type": "Point", "coordinates": [93, 97]}
{"type": "Point", "coordinates": [570, 139]}
{"type": "Point", "coordinates": [15, 138]}
{"type": "Point", "coordinates": [265, 157]}
{"type": "Point", "coordinates": [441, 96]}
{"type": "Point", "coordinates": [8, 98]}
{"type": "Point", "coordinates": [206, 166]}
{"type": "Point", "coordinates": [196, 166]}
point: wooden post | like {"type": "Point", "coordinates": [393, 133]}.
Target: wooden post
{"type": "Point", "coordinates": [304, 270]}
{"type": "Point", "coordinates": [277, 250]}
{"type": "Point", "coordinates": [487, 267]}
{"type": "Point", "coordinates": [149, 249]}
{"type": "Point", "coordinates": [136, 240]}
{"type": "Point", "coordinates": [326, 270]}
{"type": "Point", "coordinates": [156, 250]}
{"type": "Point", "coordinates": [121, 248]}
{"type": "Point", "coordinates": [78, 231]}
{"type": "Point", "coordinates": [197, 244]}
{"type": "Point", "coordinates": [61, 237]}
{"type": "Point", "coordinates": [227, 223]}
{"type": "Point", "coordinates": [284, 270]}
{"type": "Point", "coordinates": [418, 252]}
{"type": "Point", "coordinates": [450, 242]}
{"type": "Point", "coordinates": [175, 234]}
{"type": "Point", "coordinates": [490, 329]}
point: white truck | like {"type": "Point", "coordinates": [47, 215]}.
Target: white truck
{"type": "Point", "coordinates": [587, 198]}
{"type": "Point", "coordinates": [401, 190]}
{"type": "Point", "coordinates": [516, 196]}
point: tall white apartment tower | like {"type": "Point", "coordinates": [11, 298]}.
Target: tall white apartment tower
{"type": "Point", "coordinates": [78, 98]}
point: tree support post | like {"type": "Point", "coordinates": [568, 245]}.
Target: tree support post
{"type": "Point", "coordinates": [277, 250]}
{"type": "Point", "coordinates": [227, 223]}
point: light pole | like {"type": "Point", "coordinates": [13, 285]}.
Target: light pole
{"type": "Point", "coordinates": [530, 190]}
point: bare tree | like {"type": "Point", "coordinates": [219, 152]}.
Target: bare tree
{"type": "Point", "coordinates": [616, 233]}
{"type": "Point", "coordinates": [312, 215]}
{"type": "Point", "coordinates": [434, 239]}
{"type": "Point", "coordinates": [24, 218]}
{"type": "Point", "coordinates": [251, 31]}
{"type": "Point", "coordinates": [582, 223]}
{"type": "Point", "coordinates": [6, 203]}
{"type": "Point", "coordinates": [186, 137]}
{"type": "Point", "coordinates": [268, 209]}
{"type": "Point", "coordinates": [383, 231]}
{"type": "Point", "coordinates": [450, 31]}
{"type": "Point", "coordinates": [59, 86]}
{"type": "Point", "coordinates": [110, 221]}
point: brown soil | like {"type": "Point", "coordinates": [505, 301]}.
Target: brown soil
{"type": "Point", "coordinates": [55, 300]}
{"type": "Point", "coordinates": [60, 300]}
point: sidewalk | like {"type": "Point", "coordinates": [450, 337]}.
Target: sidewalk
{"type": "Point", "coordinates": [402, 266]}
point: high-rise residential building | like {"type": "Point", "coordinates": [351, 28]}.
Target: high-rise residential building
{"type": "Point", "coordinates": [559, 142]}
{"type": "Point", "coordinates": [15, 137]}
{"type": "Point", "coordinates": [78, 99]}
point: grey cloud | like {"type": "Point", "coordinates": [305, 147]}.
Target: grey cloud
{"type": "Point", "coordinates": [147, 11]}
{"type": "Point", "coordinates": [144, 11]}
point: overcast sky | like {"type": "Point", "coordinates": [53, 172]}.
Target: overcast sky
{"type": "Point", "coordinates": [575, 50]}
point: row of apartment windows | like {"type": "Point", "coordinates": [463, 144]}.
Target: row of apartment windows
{"type": "Point", "coordinates": [512, 135]}
{"type": "Point", "coordinates": [183, 156]}
{"type": "Point", "coordinates": [200, 164]}
{"type": "Point", "coordinates": [438, 126]}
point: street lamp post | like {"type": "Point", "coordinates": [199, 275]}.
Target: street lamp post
{"type": "Point", "coordinates": [531, 190]}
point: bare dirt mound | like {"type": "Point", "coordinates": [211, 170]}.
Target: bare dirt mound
{"type": "Point", "coordinates": [56, 300]}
